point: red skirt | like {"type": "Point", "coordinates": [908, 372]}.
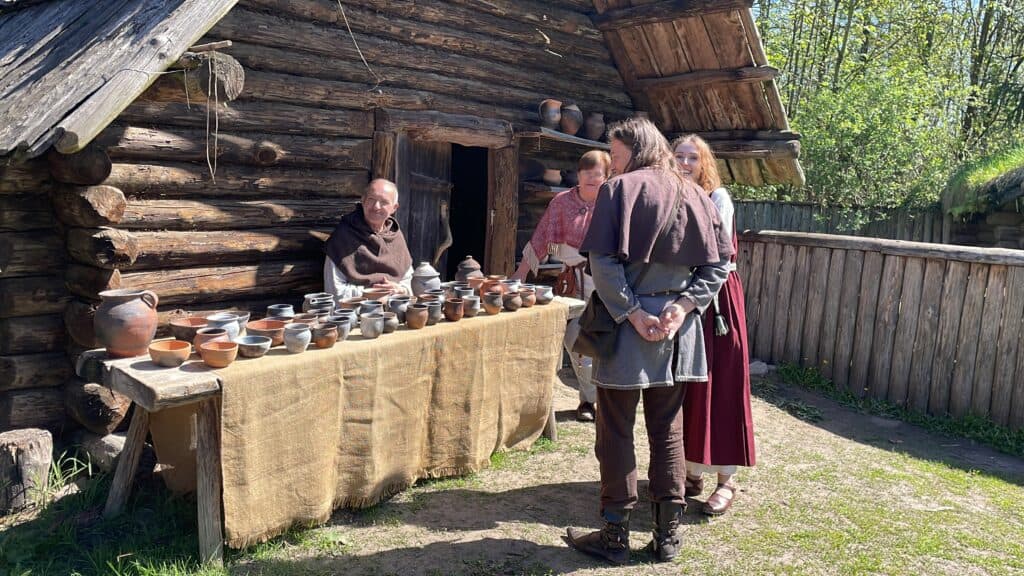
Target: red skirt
{"type": "Point", "coordinates": [719, 430]}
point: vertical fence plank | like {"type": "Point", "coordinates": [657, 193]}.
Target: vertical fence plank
{"type": "Point", "coordinates": [886, 318]}
{"type": "Point", "coordinates": [1006, 352]}
{"type": "Point", "coordinates": [798, 305]}
{"type": "Point", "coordinates": [783, 308]}
{"type": "Point", "coordinates": [927, 340]}
{"type": "Point", "coordinates": [967, 341]}
{"type": "Point", "coordinates": [906, 330]}
{"type": "Point", "coordinates": [847, 317]}
{"type": "Point", "coordinates": [865, 326]}
{"type": "Point", "coordinates": [817, 288]}
{"type": "Point", "coordinates": [743, 263]}
{"type": "Point", "coordinates": [752, 295]}
{"type": "Point", "coordinates": [954, 286]}
{"type": "Point", "coordinates": [926, 235]}
{"type": "Point", "coordinates": [769, 289]}
{"type": "Point", "coordinates": [1016, 416]}
{"type": "Point", "coordinates": [830, 315]}
{"type": "Point", "coordinates": [988, 340]}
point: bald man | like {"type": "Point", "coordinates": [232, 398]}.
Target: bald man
{"type": "Point", "coordinates": [367, 248]}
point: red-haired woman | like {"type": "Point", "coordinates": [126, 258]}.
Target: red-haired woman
{"type": "Point", "coordinates": [719, 430]}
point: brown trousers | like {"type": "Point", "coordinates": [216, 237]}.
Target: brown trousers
{"type": "Point", "coordinates": [616, 417]}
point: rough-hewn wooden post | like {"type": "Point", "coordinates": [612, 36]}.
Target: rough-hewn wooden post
{"type": "Point", "coordinates": [502, 208]}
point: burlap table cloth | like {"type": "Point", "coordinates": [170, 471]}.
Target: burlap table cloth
{"type": "Point", "coordinates": [307, 433]}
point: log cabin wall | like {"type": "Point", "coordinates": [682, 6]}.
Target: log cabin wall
{"type": "Point", "coordinates": [936, 328]}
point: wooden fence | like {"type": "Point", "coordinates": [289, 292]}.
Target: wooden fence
{"type": "Point", "coordinates": [918, 226]}
{"type": "Point", "coordinates": [937, 328]}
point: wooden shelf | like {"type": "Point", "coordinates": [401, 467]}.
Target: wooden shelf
{"type": "Point", "coordinates": [563, 138]}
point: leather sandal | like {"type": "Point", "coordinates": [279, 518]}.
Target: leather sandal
{"type": "Point", "coordinates": [719, 503]}
{"type": "Point", "coordinates": [694, 486]}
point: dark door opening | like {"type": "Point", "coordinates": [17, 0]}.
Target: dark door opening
{"type": "Point", "coordinates": [468, 210]}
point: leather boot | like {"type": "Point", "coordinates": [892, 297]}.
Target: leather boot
{"type": "Point", "coordinates": [610, 543]}
{"type": "Point", "coordinates": [667, 541]}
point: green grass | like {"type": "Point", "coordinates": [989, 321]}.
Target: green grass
{"type": "Point", "coordinates": [961, 195]}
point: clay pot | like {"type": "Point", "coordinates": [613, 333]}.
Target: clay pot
{"type": "Point", "coordinates": [550, 112]}
{"type": "Point", "coordinates": [350, 303]}
{"type": "Point", "coordinates": [572, 119]}
{"type": "Point", "coordinates": [226, 321]}
{"type": "Point", "coordinates": [340, 315]}
{"type": "Point", "coordinates": [125, 321]}
{"type": "Point", "coordinates": [297, 337]}
{"type": "Point", "coordinates": [344, 327]}
{"type": "Point", "coordinates": [308, 318]}
{"type": "Point", "coordinates": [439, 293]}
{"type": "Point", "coordinates": [398, 305]}
{"type": "Point", "coordinates": [470, 305]}
{"type": "Point", "coordinates": [416, 316]}
{"type": "Point", "coordinates": [424, 278]}
{"type": "Point", "coordinates": [170, 353]}
{"type": "Point", "coordinates": [461, 292]}
{"type": "Point", "coordinates": [270, 328]}
{"type": "Point", "coordinates": [593, 127]}
{"type": "Point", "coordinates": [492, 283]}
{"type": "Point", "coordinates": [390, 322]}
{"type": "Point", "coordinates": [512, 301]}
{"type": "Point", "coordinates": [253, 346]}
{"type": "Point", "coordinates": [434, 312]}
{"type": "Point", "coordinates": [529, 297]}
{"type": "Point", "coordinates": [428, 298]}
{"type": "Point", "coordinates": [370, 306]}
{"type": "Point", "coordinates": [545, 294]}
{"type": "Point", "coordinates": [510, 285]}
{"type": "Point", "coordinates": [218, 354]}
{"type": "Point", "coordinates": [552, 177]}
{"type": "Point", "coordinates": [468, 268]}
{"type": "Point", "coordinates": [476, 282]}
{"type": "Point", "coordinates": [185, 328]}
{"type": "Point", "coordinates": [371, 325]}
{"type": "Point", "coordinates": [491, 302]}
{"type": "Point", "coordinates": [280, 311]}
{"type": "Point", "coordinates": [243, 319]}
{"type": "Point", "coordinates": [378, 294]}
{"type": "Point", "coordinates": [307, 300]}
{"type": "Point", "coordinates": [453, 310]}
{"type": "Point", "coordinates": [325, 336]}
{"type": "Point", "coordinates": [322, 308]}
{"type": "Point", "coordinates": [204, 335]}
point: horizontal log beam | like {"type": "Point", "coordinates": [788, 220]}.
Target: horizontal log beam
{"type": "Point", "coordinates": [89, 166]}
{"type": "Point", "coordinates": [699, 78]}
{"type": "Point", "coordinates": [434, 126]}
{"type": "Point", "coordinates": [135, 143]}
{"type": "Point", "coordinates": [175, 180]}
{"type": "Point", "coordinates": [276, 118]}
{"type": "Point", "coordinates": [31, 334]}
{"type": "Point", "coordinates": [755, 149]}
{"type": "Point", "coordinates": [543, 14]}
{"type": "Point", "coordinates": [25, 212]}
{"type": "Point", "coordinates": [30, 254]}
{"type": "Point", "coordinates": [78, 321]}
{"type": "Point", "coordinates": [30, 177]}
{"type": "Point", "coordinates": [88, 205]}
{"type": "Point", "coordinates": [32, 408]}
{"type": "Point", "coordinates": [537, 193]}
{"type": "Point", "coordinates": [186, 215]}
{"type": "Point", "coordinates": [739, 135]}
{"type": "Point", "coordinates": [32, 296]}
{"type": "Point", "coordinates": [33, 371]}
{"type": "Point", "coordinates": [664, 11]}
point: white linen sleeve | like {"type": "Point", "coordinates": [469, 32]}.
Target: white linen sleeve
{"type": "Point", "coordinates": [337, 284]}
{"type": "Point", "coordinates": [726, 209]}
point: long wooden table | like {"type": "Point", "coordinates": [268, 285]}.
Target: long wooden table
{"type": "Point", "coordinates": [153, 389]}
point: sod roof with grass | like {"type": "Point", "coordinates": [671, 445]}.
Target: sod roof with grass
{"type": "Point", "coordinates": [986, 183]}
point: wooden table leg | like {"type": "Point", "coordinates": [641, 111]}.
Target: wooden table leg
{"type": "Point", "coordinates": [127, 463]}
{"type": "Point", "coordinates": [208, 483]}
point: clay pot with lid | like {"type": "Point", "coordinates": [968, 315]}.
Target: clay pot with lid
{"type": "Point", "coordinates": [424, 278]}
{"type": "Point", "coordinates": [125, 322]}
{"type": "Point", "coordinates": [468, 268]}
{"type": "Point", "coordinates": [593, 127]}
{"type": "Point", "coordinates": [550, 111]}
{"type": "Point", "coordinates": [572, 119]}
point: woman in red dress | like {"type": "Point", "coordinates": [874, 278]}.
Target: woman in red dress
{"type": "Point", "coordinates": [718, 428]}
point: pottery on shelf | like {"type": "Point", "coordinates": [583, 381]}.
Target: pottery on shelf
{"type": "Point", "coordinates": [491, 302]}
{"type": "Point", "coordinates": [453, 310]}
{"type": "Point", "coordinates": [226, 321]}
{"type": "Point", "coordinates": [270, 328]}
{"type": "Point", "coordinates": [208, 334]}
{"type": "Point", "coordinates": [297, 337]}
{"type": "Point", "coordinates": [572, 119]}
{"type": "Point", "coordinates": [217, 354]}
{"type": "Point", "coordinates": [468, 268]}
{"type": "Point", "coordinates": [593, 126]}
{"type": "Point", "coordinates": [416, 316]}
{"type": "Point", "coordinates": [253, 346]}
{"type": "Point", "coordinates": [512, 301]}
{"type": "Point", "coordinates": [371, 325]}
{"type": "Point", "coordinates": [390, 322]}
{"type": "Point", "coordinates": [470, 305]}
{"type": "Point", "coordinates": [545, 294]}
{"type": "Point", "coordinates": [125, 322]}
{"type": "Point", "coordinates": [550, 112]}
{"type": "Point", "coordinates": [552, 177]}
{"type": "Point", "coordinates": [169, 353]}
{"type": "Point", "coordinates": [325, 335]}
{"type": "Point", "coordinates": [434, 312]}
{"type": "Point", "coordinates": [424, 278]}
{"type": "Point", "coordinates": [185, 328]}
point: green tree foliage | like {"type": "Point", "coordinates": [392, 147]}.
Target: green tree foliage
{"type": "Point", "coordinates": [892, 95]}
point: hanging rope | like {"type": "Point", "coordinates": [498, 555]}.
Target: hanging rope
{"type": "Point", "coordinates": [358, 50]}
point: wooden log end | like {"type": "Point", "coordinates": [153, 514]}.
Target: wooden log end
{"type": "Point", "coordinates": [25, 458]}
{"type": "Point", "coordinates": [94, 406]}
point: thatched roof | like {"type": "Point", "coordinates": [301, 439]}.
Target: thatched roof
{"type": "Point", "coordinates": [699, 66]}
{"type": "Point", "coordinates": [68, 67]}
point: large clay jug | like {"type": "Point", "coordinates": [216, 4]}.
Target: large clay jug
{"type": "Point", "coordinates": [125, 322]}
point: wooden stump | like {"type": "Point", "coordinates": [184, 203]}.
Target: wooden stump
{"type": "Point", "coordinates": [25, 457]}
{"type": "Point", "coordinates": [96, 407]}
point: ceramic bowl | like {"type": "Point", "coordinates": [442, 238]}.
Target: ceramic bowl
{"type": "Point", "coordinates": [186, 328]}
{"type": "Point", "coordinates": [253, 346]}
{"type": "Point", "coordinates": [169, 353]}
{"type": "Point", "coordinates": [325, 335]}
{"type": "Point", "coordinates": [243, 319]}
{"type": "Point", "coordinates": [218, 354]}
{"type": "Point", "coordinates": [280, 311]}
{"type": "Point", "coordinates": [350, 303]}
{"type": "Point", "coordinates": [376, 293]}
{"type": "Point", "coordinates": [273, 329]}
{"type": "Point", "coordinates": [204, 335]}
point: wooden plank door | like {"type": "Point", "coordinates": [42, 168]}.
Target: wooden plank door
{"type": "Point", "coordinates": [425, 186]}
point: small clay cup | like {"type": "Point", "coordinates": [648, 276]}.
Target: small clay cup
{"type": "Point", "coordinates": [491, 302]}
{"type": "Point", "coordinates": [434, 312]}
{"type": "Point", "coordinates": [512, 301]}
{"type": "Point", "coordinates": [475, 282]}
{"type": "Point", "coordinates": [204, 335]}
{"type": "Point", "coordinates": [324, 336]}
{"type": "Point", "coordinates": [297, 337]}
{"type": "Point", "coordinates": [398, 305]}
{"type": "Point", "coordinates": [169, 353]}
{"type": "Point", "coordinates": [343, 325]}
{"type": "Point", "coordinates": [186, 328]}
{"type": "Point", "coordinates": [545, 294]}
{"type": "Point", "coordinates": [529, 297]}
{"type": "Point", "coordinates": [376, 293]}
{"type": "Point", "coordinates": [416, 316]}
{"type": "Point", "coordinates": [305, 318]}
{"type": "Point", "coordinates": [390, 322]}
{"type": "Point", "coordinates": [371, 325]}
{"type": "Point", "coordinates": [308, 299]}
{"type": "Point", "coordinates": [441, 293]}
{"type": "Point", "coordinates": [280, 311]}
{"type": "Point", "coordinates": [510, 285]}
{"type": "Point", "coordinates": [325, 309]}
{"type": "Point", "coordinates": [218, 354]}
{"type": "Point", "coordinates": [371, 307]}
{"type": "Point", "coordinates": [470, 305]}
{"type": "Point", "coordinates": [271, 328]}
{"type": "Point", "coordinates": [253, 346]}
{"type": "Point", "coordinates": [350, 303]}
{"type": "Point", "coordinates": [453, 310]}
{"type": "Point", "coordinates": [462, 292]}
{"type": "Point", "coordinates": [225, 320]}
